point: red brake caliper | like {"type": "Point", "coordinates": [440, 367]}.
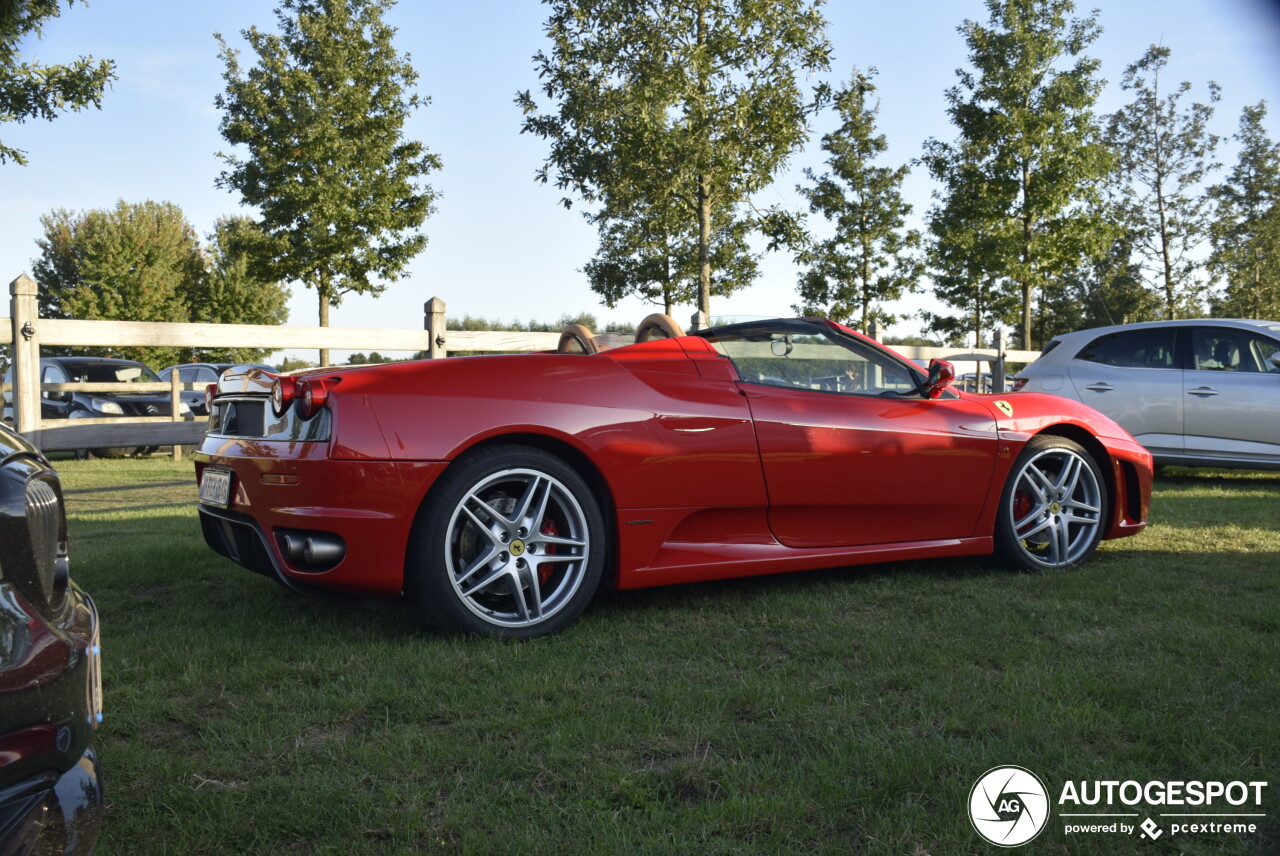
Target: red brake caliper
{"type": "Point", "coordinates": [544, 570]}
{"type": "Point", "coordinates": [1021, 506]}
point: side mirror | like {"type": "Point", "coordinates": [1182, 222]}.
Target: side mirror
{"type": "Point", "coordinates": [941, 374]}
{"type": "Point", "coordinates": [1275, 359]}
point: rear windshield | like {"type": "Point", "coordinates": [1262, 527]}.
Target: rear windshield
{"type": "Point", "coordinates": [108, 373]}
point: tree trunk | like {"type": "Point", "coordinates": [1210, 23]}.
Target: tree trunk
{"type": "Point", "coordinates": [322, 290]}
{"type": "Point", "coordinates": [704, 247]}
{"type": "Point", "coordinates": [704, 183]}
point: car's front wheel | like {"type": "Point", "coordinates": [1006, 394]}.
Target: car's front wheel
{"type": "Point", "coordinates": [510, 543]}
{"type": "Point", "coordinates": [1053, 509]}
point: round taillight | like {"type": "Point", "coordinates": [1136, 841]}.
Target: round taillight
{"type": "Point", "coordinates": [283, 392]}
{"type": "Point", "coordinates": [312, 396]}
{"type": "Point", "coordinates": [209, 392]}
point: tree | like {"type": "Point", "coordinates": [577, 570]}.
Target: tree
{"type": "Point", "coordinates": [1029, 139]}
{"type": "Point", "coordinates": [228, 293]}
{"type": "Point", "coordinates": [339, 189]}
{"type": "Point", "coordinates": [680, 107]}
{"type": "Point", "coordinates": [1165, 150]}
{"type": "Point", "coordinates": [1246, 244]}
{"type": "Point", "coordinates": [130, 263]}
{"type": "Point", "coordinates": [654, 256]}
{"type": "Point", "coordinates": [144, 262]}
{"type": "Point", "coordinates": [870, 258]}
{"type": "Point", "coordinates": [30, 90]}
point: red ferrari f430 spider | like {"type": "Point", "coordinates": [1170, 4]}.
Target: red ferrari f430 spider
{"type": "Point", "coordinates": [498, 493]}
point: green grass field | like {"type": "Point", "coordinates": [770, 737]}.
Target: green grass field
{"type": "Point", "coordinates": [839, 712]}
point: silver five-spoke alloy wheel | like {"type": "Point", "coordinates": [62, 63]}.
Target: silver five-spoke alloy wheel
{"type": "Point", "coordinates": [517, 547]}
{"type": "Point", "coordinates": [1053, 510]}
{"type": "Point", "coordinates": [509, 543]}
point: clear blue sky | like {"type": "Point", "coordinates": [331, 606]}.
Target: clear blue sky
{"type": "Point", "coordinates": [501, 246]}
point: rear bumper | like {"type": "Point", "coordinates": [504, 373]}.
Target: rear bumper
{"type": "Point", "coordinates": [367, 506]}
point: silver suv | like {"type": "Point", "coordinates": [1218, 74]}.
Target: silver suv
{"type": "Point", "coordinates": [1200, 392]}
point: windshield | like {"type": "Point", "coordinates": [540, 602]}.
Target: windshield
{"type": "Point", "coordinates": [805, 356]}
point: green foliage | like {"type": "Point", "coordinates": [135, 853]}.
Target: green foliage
{"type": "Point", "coordinates": [671, 114]}
{"type": "Point", "coordinates": [870, 259]}
{"type": "Point", "coordinates": [1028, 161]}
{"type": "Point", "coordinates": [321, 115]}
{"type": "Point", "coordinates": [144, 262]}
{"type": "Point", "coordinates": [655, 258]}
{"type": "Point", "coordinates": [372, 359]}
{"type": "Point", "coordinates": [1246, 225]}
{"type": "Point", "coordinates": [292, 365]}
{"type": "Point", "coordinates": [128, 263]}
{"type": "Point", "coordinates": [1164, 151]}
{"type": "Point", "coordinates": [30, 90]}
{"type": "Point", "coordinates": [230, 294]}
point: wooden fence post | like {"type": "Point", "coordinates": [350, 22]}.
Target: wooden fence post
{"type": "Point", "coordinates": [997, 365]}
{"type": "Point", "coordinates": [434, 323]}
{"type": "Point", "coordinates": [175, 415]}
{"type": "Point", "coordinates": [25, 312]}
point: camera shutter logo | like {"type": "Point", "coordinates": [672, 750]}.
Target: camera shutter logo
{"type": "Point", "coordinates": [1009, 806]}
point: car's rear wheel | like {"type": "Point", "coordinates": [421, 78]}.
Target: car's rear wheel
{"type": "Point", "coordinates": [510, 543]}
{"type": "Point", "coordinates": [1053, 509]}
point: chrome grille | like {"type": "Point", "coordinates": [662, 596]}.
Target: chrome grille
{"type": "Point", "coordinates": [44, 523]}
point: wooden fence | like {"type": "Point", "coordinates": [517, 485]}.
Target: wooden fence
{"type": "Point", "coordinates": [27, 332]}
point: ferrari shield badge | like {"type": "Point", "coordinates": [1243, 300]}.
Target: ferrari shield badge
{"type": "Point", "coordinates": [1004, 407]}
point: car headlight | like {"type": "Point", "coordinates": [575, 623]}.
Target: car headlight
{"type": "Point", "coordinates": [107, 407]}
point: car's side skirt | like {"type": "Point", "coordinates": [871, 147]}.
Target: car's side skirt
{"type": "Point", "coordinates": [687, 563]}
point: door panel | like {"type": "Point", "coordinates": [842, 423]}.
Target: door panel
{"type": "Point", "coordinates": [1232, 396]}
{"type": "Point", "coordinates": [1134, 377]}
{"type": "Point", "coordinates": [844, 470]}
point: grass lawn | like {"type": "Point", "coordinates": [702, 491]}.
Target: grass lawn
{"type": "Point", "coordinates": [840, 712]}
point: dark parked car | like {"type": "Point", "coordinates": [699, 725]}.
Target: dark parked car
{"type": "Point", "coordinates": [1200, 392]}
{"type": "Point", "coordinates": [97, 405]}
{"type": "Point", "coordinates": [202, 373]}
{"type": "Point", "coordinates": [50, 685]}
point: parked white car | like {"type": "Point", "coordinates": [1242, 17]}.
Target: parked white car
{"type": "Point", "coordinates": [1201, 392]}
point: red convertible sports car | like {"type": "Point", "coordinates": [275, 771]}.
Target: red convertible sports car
{"type": "Point", "coordinates": [499, 492]}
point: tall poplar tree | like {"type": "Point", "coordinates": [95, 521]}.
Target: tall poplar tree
{"type": "Point", "coordinates": [1246, 246]}
{"type": "Point", "coordinates": [688, 106]}
{"type": "Point", "coordinates": [340, 191]}
{"type": "Point", "coordinates": [1029, 139]}
{"type": "Point", "coordinates": [31, 90]}
{"type": "Point", "coordinates": [870, 257]}
{"type": "Point", "coordinates": [1165, 150]}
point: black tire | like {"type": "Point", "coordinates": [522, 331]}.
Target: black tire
{"type": "Point", "coordinates": [1054, 508]}
{"type": "Point", "coordinates": [510, 542]}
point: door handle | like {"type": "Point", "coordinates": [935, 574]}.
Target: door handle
{"type": "Point", "coordinates": [1203, 391]}
{"type": "Point", "coordinates": [1100, 387]}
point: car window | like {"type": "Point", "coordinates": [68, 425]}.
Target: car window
{"type": "Point", "coordinates": [815, 362]}
{"type": "Point", "coordinates": [52, 374]}
{"type": "Point", "coordinates": [1229, 350]}
{"type": "Point", "coordinates": [1148, 349]}
{"type": "Point", "coordinates": [111, 373]}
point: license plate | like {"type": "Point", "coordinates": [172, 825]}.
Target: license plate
{"type": "Point", "coordinates": [215, 487]}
